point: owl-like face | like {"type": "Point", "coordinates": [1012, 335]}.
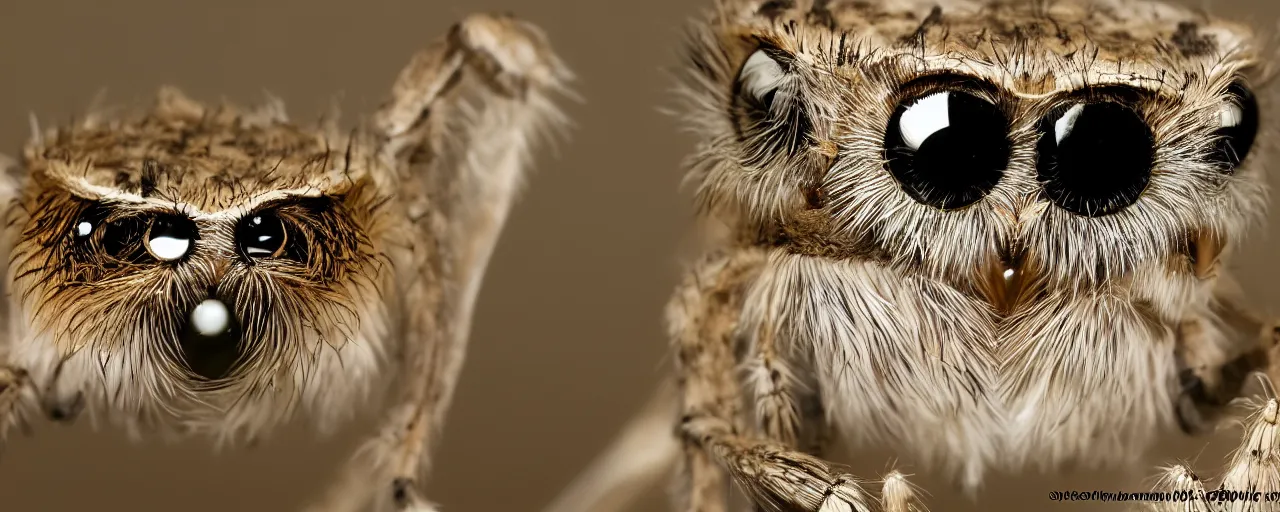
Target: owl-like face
{"type": "Point", "coordinates": [1075, 140]}
{"type": "Point", "coordinates": [196, 262]}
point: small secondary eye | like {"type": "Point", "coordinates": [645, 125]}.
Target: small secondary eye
{"type": "Point", "coordinates": [1238, 127]}
{"type": "Point", "coordinates": [767, 111]}
{"type": "Point", "coordinates": [90, 220]}
{"type": "Point", "coordinates": [170, 238]}
{"type": "Point", "coordinates": [947, 149]}
{"type": "Point", "coordinates": [1095, 158]}
{"type": "Point", "coordinates": [760, 78]}
{"type": "Point", "coordinates": [261, 235]}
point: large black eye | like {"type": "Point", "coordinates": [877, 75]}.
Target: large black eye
{"type": "Point", "coordinates": [1238, 127]}
{"type": "Point", "coordinates": [170, 238]}
{"type": "Point", "coordinates": [1095, 158]}
{"type": "Point", "coordinates": [947, 149]}
{"type": "Point", "coordinates": [261, 235]}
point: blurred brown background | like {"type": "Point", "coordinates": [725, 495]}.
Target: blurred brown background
{"type": "Point", "coordinates": [568, 341]}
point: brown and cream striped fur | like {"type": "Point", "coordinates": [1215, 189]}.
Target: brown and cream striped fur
{"type": "Point", "coordinates": [1008, 335]}
{"type": "Point", "coordinates": [388, 230]}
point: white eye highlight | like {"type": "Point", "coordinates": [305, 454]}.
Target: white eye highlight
{"type": "Point", "coordinates": [946, 148]}
{"type": "Point", "coordinates": [771, 119]}
{"type": "Point", "coordinates": [924, 118]}
{"type": "Point", "coordinates": [169, 239]}
{"type": "Point", "coordinates": [168, 248]}
{"type": "Point", "coordinates": [1230, 115]}
{"type": "Point", "coordinates": [1063, 126]}
{"type": "Point", "coordinates": [84, 228]}
{"type": "Point", "coordinates": [1237, 127]}
{"type": "Point", "coordinates": [210, 318]}
{"type": "Point", "coordinates": [761, 76]}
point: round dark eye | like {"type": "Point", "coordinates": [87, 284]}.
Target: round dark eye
{"type": "Point", "coordinates": [1238, 127]}
{"type": "Point", "coordinates": [1095, 158]}
{"type": "Point", "coordinates": [170, 238]}
{"type": "Point", "coordinates": [119, 238]}
{"type": "Point", "coordinates": [122, 239]}
{"type": "Point", "coordinates": [261, 235]}
{"type": "Point", "coordinates": [91, 219]}
{"type": "Point", "coordinates": [947, 149]}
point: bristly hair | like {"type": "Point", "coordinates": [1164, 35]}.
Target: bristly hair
{"type": "Point", "coordinates": [1015, 310]}
{"type": "Point", "coordinates": [1010, 333]}
{"type": "Point", "coordinates": [210, 270]}
{"type": "Point", "coordinates": [843, 86]}
{"type": "Point", "coordinates": [91, 303]}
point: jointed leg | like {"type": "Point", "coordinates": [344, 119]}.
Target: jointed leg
{"type": "Point", "coordinates": [1255, 464]}
{"type": "Point", "coordinates": [462, 118]}
{"type": "Point", "coordinates": [18, 386]}
{"type": "Point", "coordinates": [647, 446]}
{"type": "Point", "coordinates": [773, 476]}
{"type": "Point", "coordinates": [789, 412]}
{"type": "Point", "coordinates": [13, 382]}
{"type": "Point", "coordinates": [1180, 479]}
{"type": "Point", "coordinates": [62, 399]}
{"type": "Point", "coordinates": [1217, 352]}
{"type": "Point", "coordinates": [702, 319]}
{"type": "Point", "coordinates": [776, 389]}
{"type": "Point", "coordinates": [1254, 468]}
{"type": "Point", "coordinates": [701, 330]}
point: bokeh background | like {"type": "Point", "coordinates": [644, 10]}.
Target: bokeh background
{"type": "Point", "coordinates": [568, 340]}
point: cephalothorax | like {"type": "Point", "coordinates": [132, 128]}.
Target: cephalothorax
{"type": "Point", "coordinates": [204, 269]}
{"type": "Point", "coordinates": [987, 234]}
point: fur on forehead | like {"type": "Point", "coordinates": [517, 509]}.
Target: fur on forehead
{"type": "Point", "coordinates": [1030, 47]}
{"type": "Point", "coordinates": [846, 79]}
{"type": "Point", "coordinates": [202, 158]}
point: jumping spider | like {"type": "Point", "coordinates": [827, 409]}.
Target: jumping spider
{"type": "Point", "coordinates": [989, 235]}
{"type": "Point", "coordinates": [201, 269]}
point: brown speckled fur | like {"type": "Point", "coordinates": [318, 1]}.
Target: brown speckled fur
{"type": "Point", "coordinates": [389, 228]}
{"type": "Point", "coordinates": [894, 316]}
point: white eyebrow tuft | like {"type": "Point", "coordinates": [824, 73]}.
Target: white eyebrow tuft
{"type": "Point", "coordinates": [105, 193]}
